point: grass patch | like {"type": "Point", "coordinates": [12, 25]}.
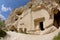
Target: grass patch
{"type": "Point", "coordinates": [57, 37]}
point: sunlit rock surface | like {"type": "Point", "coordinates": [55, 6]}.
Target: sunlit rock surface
{"type": "Point", "coordinates": [20, 36]}
{"type": "Point", "coordinates": [35, 17]}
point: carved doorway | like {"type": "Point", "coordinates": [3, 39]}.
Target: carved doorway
{"type": "Point", "coordinates": [41, 26]}
{"type": "Point", "coordinates": [39, 23]}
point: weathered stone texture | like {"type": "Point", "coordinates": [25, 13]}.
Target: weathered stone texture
{"type": "Point", "coordinates": [26, 19]}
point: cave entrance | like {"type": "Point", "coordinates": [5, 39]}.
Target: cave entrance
{"type": "Point", "coordinates": [57, 19]}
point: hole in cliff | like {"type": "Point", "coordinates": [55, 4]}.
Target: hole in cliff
{"type": "Point", "coordinates": [57, 19]}
{"type": "Point", "coordinates": [16, 18]}
{"type": "Point", "coordinates": [41, 26]}
{"type": "Point", "coordinates": [18, 13]}
{"type": "Point", "coordinates": [30, 5]}
{"type": "Point", "coordinates": [12, 30]}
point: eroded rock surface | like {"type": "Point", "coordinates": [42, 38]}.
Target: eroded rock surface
{"type": "Point", "coordinates": [21, 18]}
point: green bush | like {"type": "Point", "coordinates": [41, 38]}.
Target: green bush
{"type": "Point", "coordinates": [2, 23]}
{"type": "Point", "coordinates": [57, 37]}
{"type": "Point", "coordinates": [2, 33]}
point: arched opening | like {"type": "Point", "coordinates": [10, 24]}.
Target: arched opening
{"type": "Point", "coordinates": [13, 28]}
{"type": "Point", "coordinates": [19, 11]}
{"type": "Point", "coordinates": [57, 19]}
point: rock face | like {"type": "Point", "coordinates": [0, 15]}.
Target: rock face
{"type": "Point", "coordinates": [26, 19]}
{"type": "Point", "coordinates": [19, 36]}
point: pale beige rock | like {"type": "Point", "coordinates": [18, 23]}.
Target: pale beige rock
{"type": "Point", "coordinates": [19, 36]}
{"type": "Point", "coordinates": [49, 30]}
{"type": "Point", "coordinates": [29, 17]}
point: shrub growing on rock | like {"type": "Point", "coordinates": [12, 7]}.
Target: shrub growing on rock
{"type": "Point", "coordinates": [2, 33]}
